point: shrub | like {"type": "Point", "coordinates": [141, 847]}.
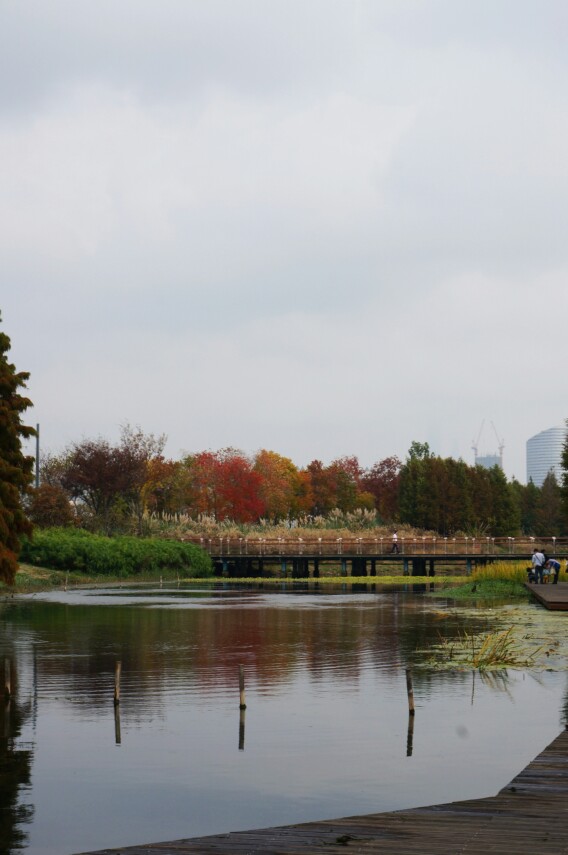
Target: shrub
{"type": "Point", "coordinates": [69, 549]}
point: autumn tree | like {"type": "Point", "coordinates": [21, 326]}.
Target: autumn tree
{"type": "Point", "coordinates": [382, 482]}
{"type": "Point", "coordinates": [16, 469]}
{"type": "Point", "coordinates": [322, 488]}
{"type": "Point", "coordinates": [135, 453]}
{"type": "Point", "coordinates": [109, 479]}
{"type": "Point", "coordinates": [49, 505]}
{"type": "Point", "coordinates": [165, 487]}
{"type": "Point", "coordinates": [281, 486]}
{"type": "Point", "coordinates": [224, 485]}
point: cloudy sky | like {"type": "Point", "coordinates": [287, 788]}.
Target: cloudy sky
{"type": "Point", "coordinates": [323, 227]}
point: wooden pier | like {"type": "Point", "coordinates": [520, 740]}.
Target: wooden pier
{"type": "Point", "coordinates": [528, 817]}
{"type": "Point", "coordinates": [553, 597]}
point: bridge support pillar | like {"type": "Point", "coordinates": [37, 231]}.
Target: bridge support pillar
{"type": "Point", "coordinates": [418, 566]}
{"type": "Point", "coordinates": [405, 566]}
{"type": "Point", "coordinates": [316, 568]}
{"type": "Point", "coordinates": [283, 567]}
{"type": "Point", "coordinates": [432, 571]}
{"type": "Point", "coordinates": [225, 567]}
{"type": "Point", "coordinates": [344, 567]}
{"type": "Point", "coordinates": [468, 566]}
{"type": "Point", "coordinates": [373, 567]}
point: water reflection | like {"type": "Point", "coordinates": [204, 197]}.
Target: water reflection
{"type": "Point", "coordinates": [15, 766]}
{"type": "Point", "coordinates": [327, 725]}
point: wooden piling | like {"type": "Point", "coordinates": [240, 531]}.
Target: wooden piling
{"type": "Point", "coordinates": [117, 670]}
{"type": "Point", "coordinates": [242, 715]}
{"type": "Point", "coordinates": [409, 691]}
{"type": "Point", "coordinates": [117, 736]}
{"type": "Point", "coordinates": [242, 704]}
{"type": "Point", "coordinates": [410, 734]}
{"type": "Point", "coordinates": [7, 680]}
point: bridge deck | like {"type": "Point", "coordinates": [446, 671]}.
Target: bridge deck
{"type": "Point", "coordinates": [528, 817]}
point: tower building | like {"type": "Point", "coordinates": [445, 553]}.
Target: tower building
{"type": "Point", "coordinates": [544, 454]}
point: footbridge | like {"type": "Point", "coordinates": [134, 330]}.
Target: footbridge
{"type": "Point", "coordinates": [304, 558]}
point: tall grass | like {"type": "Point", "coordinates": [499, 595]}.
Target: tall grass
{"type": "Point", "coordinates": [508, 571]}
{"type": "Point", "coordinates": [94, 554]}
{"type": "Point", "coordinates": [488, 651]}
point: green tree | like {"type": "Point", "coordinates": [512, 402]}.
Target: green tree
{"type": "Point", "coordinates": [419, 451]}
{"type": "Point", "coordinates": [549, 508]}
{"type": "Point", "coordinates": [16, 469]}
{"type": "Point", "coordinates": [564, 485]}
{"type": "Point", "coordinates": [527, 498]}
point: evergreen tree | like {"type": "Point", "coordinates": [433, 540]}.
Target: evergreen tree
{"type": "Point", "coordinates": [16, 469]}
{"type": "Point", "coordinates": [549, 508]}
{"type": "Point", "coordinates": [564, 463]}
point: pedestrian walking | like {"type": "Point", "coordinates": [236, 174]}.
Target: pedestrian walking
{"type": "Point", "coordinates": [395, 542]}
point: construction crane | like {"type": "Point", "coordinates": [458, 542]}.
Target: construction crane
{"type": "Point", "coordinates": [475, 442]}
{"type": "Point", "coordinates": [500, 444]}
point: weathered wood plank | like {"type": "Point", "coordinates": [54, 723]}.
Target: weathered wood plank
{"type": "Point", "coordinates": [553, 597]}
{"type": "Point", "coordinates": [527, 817]}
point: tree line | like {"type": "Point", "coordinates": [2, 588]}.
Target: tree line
{"type": "Point", "coordinates": [111, 487]}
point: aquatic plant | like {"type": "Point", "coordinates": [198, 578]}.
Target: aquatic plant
{"type": "Point", "coordinates": [487, 651]}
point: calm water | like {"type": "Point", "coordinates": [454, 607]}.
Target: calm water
{"type": "Point", "coordinates": [325, 732]}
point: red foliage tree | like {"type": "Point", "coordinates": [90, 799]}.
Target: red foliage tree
{"type": "Point", "coordinates": [382, 481]}
{"type": "Point", "coordinates": [224, 484]}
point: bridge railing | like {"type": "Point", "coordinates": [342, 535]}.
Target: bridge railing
{"type": "Point", "coordinates": [257, 547]}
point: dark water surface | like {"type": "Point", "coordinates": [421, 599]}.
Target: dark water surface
{"type": "Point", "coordinates": [325, 732]}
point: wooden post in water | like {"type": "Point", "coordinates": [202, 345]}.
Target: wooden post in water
{"type": "Point", "coordinates": [409, 692]}
{"type": "Point", "coordinates": [242, 704]}
{"type": "Point", "coordinates": [242, 715]}
{"type": "Point", "coordinates": [410, 735]}
{"type": "Point", "coordinates": [7, 680]}
{"type": "Point", "coordinates": [117, 737]}
{"type": "Point", "coordinates": [117, 669]}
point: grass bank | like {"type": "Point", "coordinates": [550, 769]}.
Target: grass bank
{"type": "Point", "coordinates": [498, 581]}
{"type": "Point", "coordinates": [77, 551]}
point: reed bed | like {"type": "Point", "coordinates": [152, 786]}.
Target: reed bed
{"type": "Point", "coordinates": [487, 651]}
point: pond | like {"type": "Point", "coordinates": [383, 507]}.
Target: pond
{"type": "Point", "coordinates": [325, 733]}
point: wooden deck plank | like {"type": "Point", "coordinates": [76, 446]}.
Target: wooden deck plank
{"type": "Point", "coordinates": [527, 817]}
{"type": "Point", "coordinates": [553, 597]}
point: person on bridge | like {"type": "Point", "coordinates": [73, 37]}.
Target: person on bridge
{"type": "Point", "coordinates": [538, 562]}
{"type": "Point", "coordinates": [395, 542]}
{"type": "Point", "coordinates": [554, 568]}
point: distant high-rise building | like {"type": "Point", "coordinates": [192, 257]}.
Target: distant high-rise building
{"type": "Point", "coordinates": [488, 461]}
{"type": "Point", "coordinates": [544, 455]}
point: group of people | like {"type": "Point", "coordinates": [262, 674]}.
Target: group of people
{"type": "Point", "coordinates": [543, 568]}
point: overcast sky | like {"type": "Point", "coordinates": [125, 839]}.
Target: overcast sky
{"type": "Point", "coordinates": [323, 227]}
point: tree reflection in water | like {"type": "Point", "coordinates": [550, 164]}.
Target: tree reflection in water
{"type": "Point", "coordinates": [15, 769]}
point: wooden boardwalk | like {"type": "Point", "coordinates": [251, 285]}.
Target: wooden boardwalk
{"type": "Point", "coordinates": [528, 817]}
{"type": "Point", "coordinates": [554, 597]}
